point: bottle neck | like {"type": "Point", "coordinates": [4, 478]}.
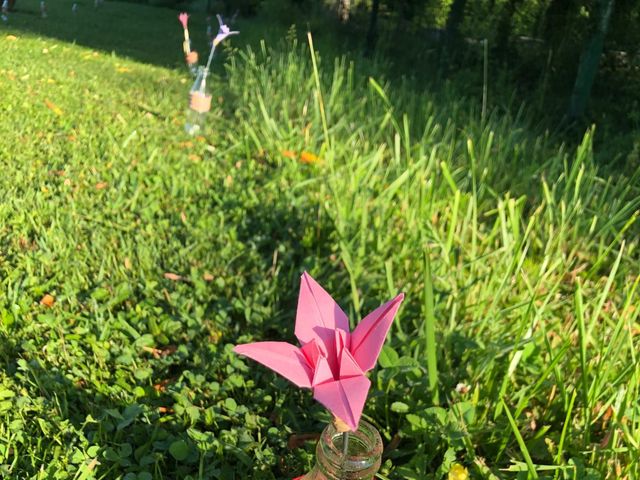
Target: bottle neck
{"type": "Point", "coordinates": [361, 461]}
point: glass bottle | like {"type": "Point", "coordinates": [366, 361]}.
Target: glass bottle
{"type": "Point", "coordinates": [199, 103]}
{"type": "Point", "coordinates": [191, 59]}
{"type": "Point", "coordinates": [361, 461]}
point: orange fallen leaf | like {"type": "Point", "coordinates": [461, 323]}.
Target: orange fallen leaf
{"type": "Point", "coordinates": [101, 185]}
{"type": "Point", "coordinates": [48, 301]}
{"type": "Point", "coordinates": [207, 277]}
{"type": "Point", "coordinates": [308, 157]}
{"type": "Point", "coordinates": [174, 277]}
{"type": "Point", "coordinates": [165, 410]}
{"type": "Point", "coordinates": [289, 154]}
{"type": "Point", "coordinates": [53, 107]}
{"type": "Point", "coordinates": [186, 144]}
{"type": "Point", "coordinates": [194, 158]}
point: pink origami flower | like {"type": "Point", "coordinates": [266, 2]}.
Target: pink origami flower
{"type": "Point", "coordinates": [223, 32]}
{"type": "Point", "coordinates": [183, 18]}
{"type": "Point", "coordinates": [332, 361]}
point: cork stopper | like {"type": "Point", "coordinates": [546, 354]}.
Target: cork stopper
{"type": "Point", "coordinates": [200, 102]}
{"type": "Point", "coordinates": [191, 58]}
{"type": "Point", "coordinates": [340, 425]}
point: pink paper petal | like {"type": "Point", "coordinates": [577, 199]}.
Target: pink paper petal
{"type": "Point", "coordinates": [311, 352]}
{"type": "Point", "coordinates": [342, 338]}
{"type": "Point", "coordinates": [317, 317]}
{"type": "Point", "coordinates": [344, 398]}
{"type": "Point", "coordinates": [348, 366]}
{"type": "Point", "coordinates": [183, 18]}
{"type": "Point", "coordinates": [323, 372]}
{"type": "Point", "coordinates": [368, 337]}
{"type": "Point", "coordinates": [282, 358]}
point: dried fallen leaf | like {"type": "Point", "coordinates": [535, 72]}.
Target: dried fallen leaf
{"type": "Point", "coordinates": [174, 277]}
{"type": "Point", "coordinates": [207, 277]}
{"type": "Point", "coordinates": [462, 388]}
{"type": "Point", "coordinates": [127, 263]}
{"type": "Point", "coordinates": [183, 217]}
{"type": "Point", "coordinates": [186, 144]}
{"type": "Point", "coordinates": [289, 154]}
{"type": "Point", "coordinates": [123, 70]}
{"type": "Point", "coordinates": [48, 301]}
{"type": "Point", "coordinates": [11, 38]}
{"type": "Point", "coordinates": [194, 158]}
{"type": "Point", "coordinates": [53, 107]}
{"type": "Point", "coordinates": [215, 336]}
{"type": "Point", "coordinates": [101, 185]}
{"type": "Point", "coordinates": [153, 351]}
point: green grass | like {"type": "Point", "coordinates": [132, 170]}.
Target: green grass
{"type": "Point", "coordinates": [519, 260]}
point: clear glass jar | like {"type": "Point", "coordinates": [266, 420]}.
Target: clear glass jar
{"type": "Point", "coordinates": [199, 103]}
{"type": "Point", "coordinates": [361, 462]}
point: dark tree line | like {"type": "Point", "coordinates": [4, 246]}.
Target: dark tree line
{"type": "Point", "coordinates": [573, 31]}
{"type": "Point", "coordinates": [569, 36]}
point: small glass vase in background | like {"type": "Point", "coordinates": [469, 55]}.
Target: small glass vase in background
{"type": "Point", "coordinates": [199, 103]}
{"type": "Point", "coordinates": [361, 462]}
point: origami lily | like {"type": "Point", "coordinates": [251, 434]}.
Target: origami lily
{"type": "Point", "coordinates": [223, 32]}
{"type": "Point", "coordinates": [331, 361]}
{"type": "Point", "coordinates": [183, 18]}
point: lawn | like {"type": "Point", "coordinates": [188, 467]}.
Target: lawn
{"type": "Point", "coordinates": [133, 258]}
